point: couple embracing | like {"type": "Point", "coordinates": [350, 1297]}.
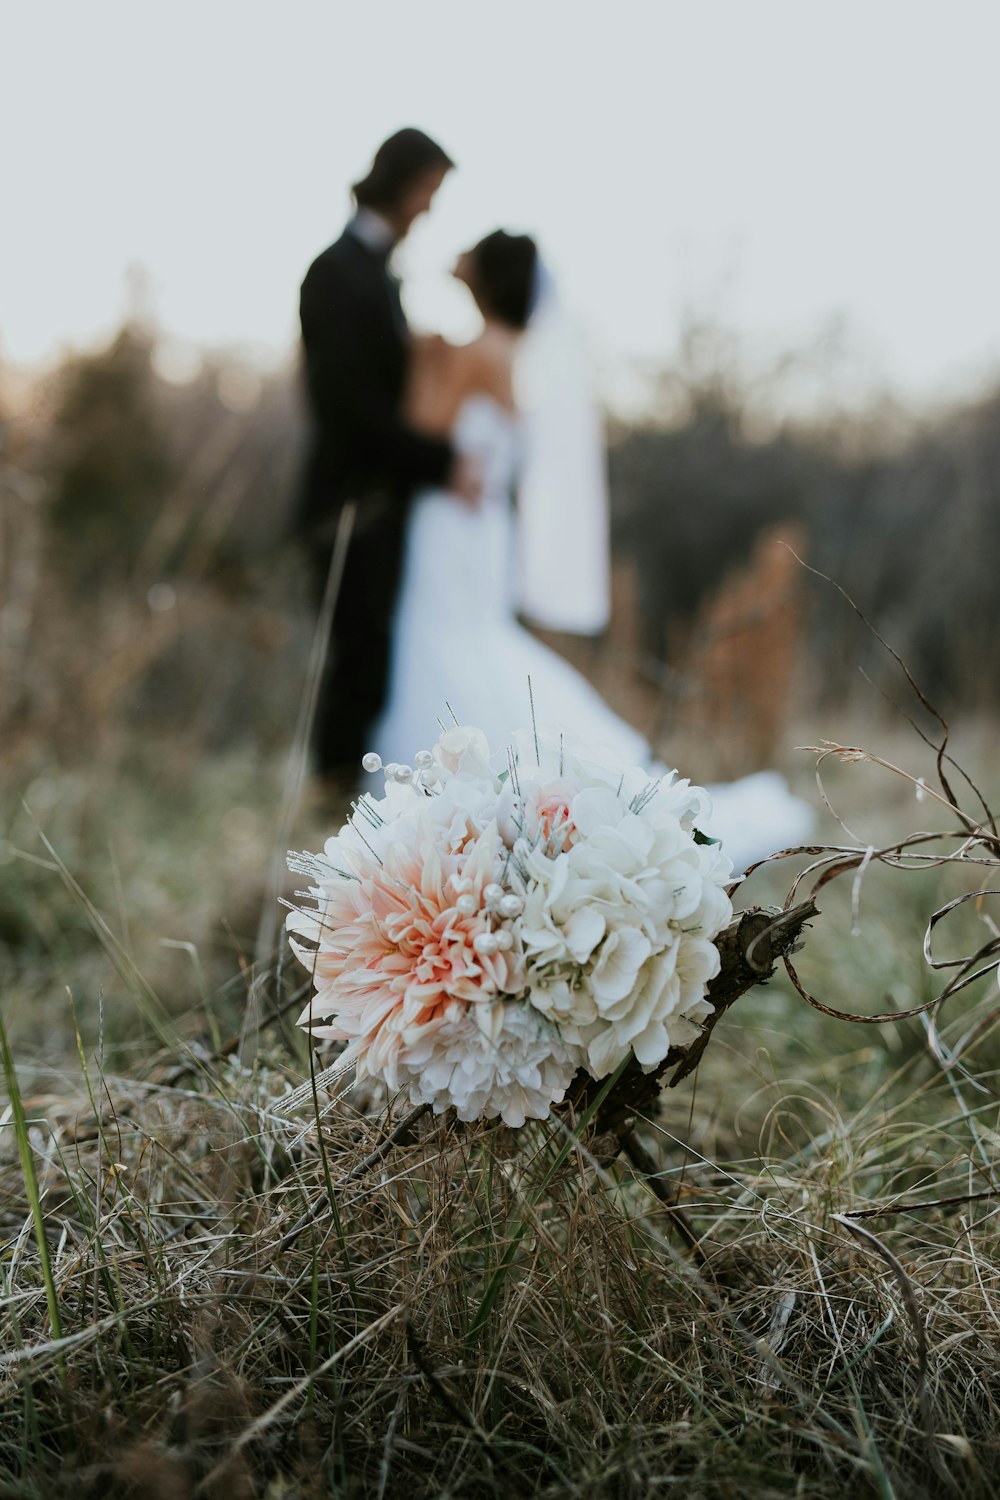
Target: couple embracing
{"type": "Point", "coordinates": [426, 439]}
{"type": "Point", "coordinates": [423, 445]}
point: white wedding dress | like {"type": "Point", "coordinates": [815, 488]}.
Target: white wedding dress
{"type": "Point", "coordinates": [458, 648]}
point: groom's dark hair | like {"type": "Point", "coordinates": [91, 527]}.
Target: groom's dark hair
{"type": "Point", "coordinates": [401, 159]}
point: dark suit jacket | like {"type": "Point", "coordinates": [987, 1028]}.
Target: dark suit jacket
{"type": "Point", "coordinates": [354, 339]}
{"type": "Point", "coordinates": [354, 342]}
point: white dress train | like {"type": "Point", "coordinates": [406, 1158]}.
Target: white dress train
{"type": "Point", "coordinates": [458, 648]}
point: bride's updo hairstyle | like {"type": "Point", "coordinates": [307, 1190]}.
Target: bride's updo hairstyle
{"type": "Point", "coordinates": [503, 268]}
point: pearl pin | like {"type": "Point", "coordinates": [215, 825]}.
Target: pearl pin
{"type": "Point", "coordinates": [486, 944]}
{"type": "Point", "coordinates": [423, 759]}
{"type": "Point", "coordinates": [493, 894]}
{"type": "Point", "coordinates": [403, 774]}
{"type": "Point", "coordinates": [504, 940]}
{"type": "Point", "coordinates": [467, 906]}
{"type": "Point", "coordinates": [511, 906]}
{"type": "Point", "coordinates": [371, 761]}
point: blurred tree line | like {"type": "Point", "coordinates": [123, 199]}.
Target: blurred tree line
{"type": "Point", "coordinates": [902, 512]}
{"type": "Point", "coordinates": [146, 545]}
{"type": "Point", "coordinates": [144, 581]}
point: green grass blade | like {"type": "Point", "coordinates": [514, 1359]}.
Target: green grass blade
{"type": "Point", "coordinates": [572, 1139]}
{"type": "Point", "coordinates": [30, 1182]}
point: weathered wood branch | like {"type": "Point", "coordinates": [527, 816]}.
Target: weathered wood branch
{"type": "Point", "coordinates": [749, 949]}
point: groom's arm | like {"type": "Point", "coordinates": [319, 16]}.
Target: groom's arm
{"type": "Point", "coordinates": [347, 390]}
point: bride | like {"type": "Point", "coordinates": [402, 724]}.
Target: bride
{"type": "Point", "coordinates": [458, 648]}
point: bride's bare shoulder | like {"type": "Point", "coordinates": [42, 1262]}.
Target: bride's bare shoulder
{"type": "Point", "coordinates": [442, 375]}
{"type": "Point", "coordinates": [432, 378]}
{"type": "Point", "coordinates": [484, 366]}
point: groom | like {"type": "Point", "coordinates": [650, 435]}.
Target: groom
{"type": "Point", "coordinates": [356, 353]}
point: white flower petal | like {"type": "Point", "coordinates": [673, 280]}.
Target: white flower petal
{"type": "Point", "coordinates": [622, 955]}
{"type": "Point", "coordinates": [651, 1045]}
{"type": "Point", "coordinates": [595, 808]}
{"type": "Point", "coordinates": [584, 929]}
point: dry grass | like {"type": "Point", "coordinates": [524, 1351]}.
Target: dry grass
{"type": "Point", "coordinates": [240, 1313]}
{"type": "Point", "coordinates": [202, 1294]}
{"type": "Point", "coordinates": [245, 1308]}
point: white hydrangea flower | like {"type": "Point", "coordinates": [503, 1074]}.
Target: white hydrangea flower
{"type": "Point", "coordinates": [517, 1073]}
{"type": "Point", "coordinates": [621, 903]}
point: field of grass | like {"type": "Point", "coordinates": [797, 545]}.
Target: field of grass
{"type": "Point", "coordinates": [205, 1293]}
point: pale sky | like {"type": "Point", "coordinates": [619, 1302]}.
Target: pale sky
{"type": "Point", "coordinates": [783, 164]}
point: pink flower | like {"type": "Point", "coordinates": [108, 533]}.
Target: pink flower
{"type": "Point", "coordinates": [555, 819]}
{"type": "Point", "coordinates": [540, 812]}
{"type": "Point", "coordinates": [396, 956]}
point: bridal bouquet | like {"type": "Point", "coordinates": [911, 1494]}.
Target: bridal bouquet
{"type": "Point", "coordinates": [483, 930]}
